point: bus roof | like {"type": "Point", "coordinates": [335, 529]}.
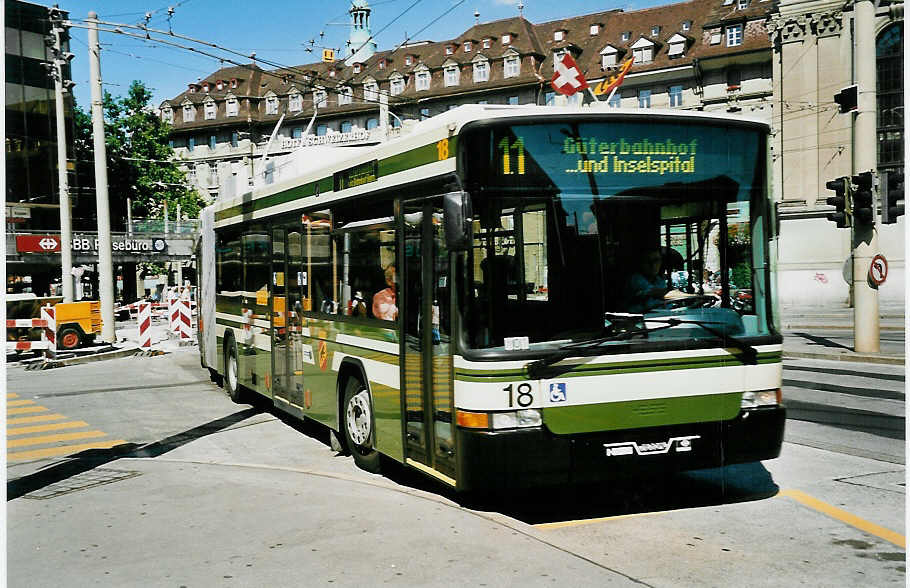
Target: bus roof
{"type": "Point", "coordinates": [310, 164]}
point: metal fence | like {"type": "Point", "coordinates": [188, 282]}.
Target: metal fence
{"type": "Point", "coordinates": [157, 225]}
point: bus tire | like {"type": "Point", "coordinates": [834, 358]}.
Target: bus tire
{"type": "Point", "coordinates": [232, 372]}
{"type": "Point", "coordinates": [69, 338]}
{"type": "Point", "coordinates": [358, 425]}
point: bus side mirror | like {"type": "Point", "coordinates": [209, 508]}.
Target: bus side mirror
{"type": "Point", "coordinates": [459, 220]}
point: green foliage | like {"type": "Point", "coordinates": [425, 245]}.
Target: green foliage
{"type": "Point", "coordinates": [140, 163]}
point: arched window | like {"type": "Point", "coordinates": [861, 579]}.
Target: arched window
{"type": "Point", "coordinates": [889, 53]}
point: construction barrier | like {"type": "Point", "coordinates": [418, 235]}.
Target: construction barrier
{"type": "Point", "coordinates": [145, 324]}
{"type": "Point", "coordinates": [185, 319]}
{"type": "Point", "coordinates": [173, 312]}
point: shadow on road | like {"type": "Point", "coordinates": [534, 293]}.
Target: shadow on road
{"type": "Point", "coordinates": [823, 341]}
{"type": "Point", "coordinates": [90, 459]}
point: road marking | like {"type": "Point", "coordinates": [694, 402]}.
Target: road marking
{"type": "Point", "coordinates": [54, 438]}
{"type": "Point", "coordinates": [35, 419]}
{"type": "Point", "coordinates": [45, 428]}
{"type": "Point", "coordinates": [62, 450]}
{"type": "Point", "coordinates": [846, 517]}
{"type": "Point", "coordinates": [25, 410]}
{"type": "Point", "coordinates": [12, 395]}
{"type": "Point", "coordinates": [575, 523]}
{"type": "Point", "coordinates": [22, 402]}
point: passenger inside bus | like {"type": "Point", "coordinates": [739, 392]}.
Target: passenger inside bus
{"type": "Point", "coordinates": [384, 302]}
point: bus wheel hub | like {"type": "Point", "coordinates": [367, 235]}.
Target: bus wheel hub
{"type": "Point", "coordinates": [358, 417]}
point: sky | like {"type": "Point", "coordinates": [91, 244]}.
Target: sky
{"type": "Point", "coordinates": [276, 30]}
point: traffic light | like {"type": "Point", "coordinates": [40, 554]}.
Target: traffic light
{"type": "Point", "coordinates": [892, 189]}
{"type": "Point", "coordinates": [840, 201]}
{"type": "Point", "coordinates": [846, 99]}
{"type": "Point", "coordinates": [864, 198]}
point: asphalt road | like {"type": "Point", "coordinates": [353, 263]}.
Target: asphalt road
{"type": "Point", "coordinates": [177, 486]}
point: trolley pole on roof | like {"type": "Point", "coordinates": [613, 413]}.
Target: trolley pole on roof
{"type": "Point", "coordinates": [105, 265]}
{"type": "Point", "coordinates": [865, 239]}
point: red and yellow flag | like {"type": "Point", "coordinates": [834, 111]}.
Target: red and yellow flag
{"type": "Point", "coordinates": [606, 86]}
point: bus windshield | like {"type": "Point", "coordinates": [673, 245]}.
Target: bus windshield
{"type": "Point", "coordinates": [607, 230]}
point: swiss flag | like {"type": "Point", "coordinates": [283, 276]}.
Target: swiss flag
{"type": "Point", "coordinates": [568, 78]}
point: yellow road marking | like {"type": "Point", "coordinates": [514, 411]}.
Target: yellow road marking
{"type": "Point", "coordinates": [575, 523]}
{"type": "Point", "coordinates": [62, 450]}
{"type": "Point", "coordinates": [54, 438]}
{"type": "Point", "coordinates": [22, 402]}
{"type": "Point", "coordinates": [35, 419]}
{"type": "Point", "coordinates": [12, 395]}
{"type": "Point", "coordinates": [45, 428]}
{"type": "Point", "coordinates": [846, 517]}
{"type": "Point", "coordinates": [25, 409]}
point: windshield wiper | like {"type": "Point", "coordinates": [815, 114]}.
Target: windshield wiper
{"type": "Point", "coordinates": [620, 320]}
{"type": "Point", "coordinates": [750, 354]}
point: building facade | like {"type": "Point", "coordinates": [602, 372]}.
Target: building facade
{"type": "Point", "coordinates": [781, 62]}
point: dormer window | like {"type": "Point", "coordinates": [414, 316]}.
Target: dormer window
{"type": "Point", "coordinates": [557, 57]}
{"type": "Point", "coordinates": [487, 43]}
{"type": "Point", "coordinates": [715, 37]}
{"type": "Point", "coordinates": [370, 91]}
{"type": "Point", "coordinates": [511, 66]}
{"type": "Point", "coordinates": [219, 85]}
{"type": "Point", "coordinates": [408, 60]}
{"type": "Point", "coordinates": [608, 57]}
{"type": "Point", "coordinates": [734, 35]}
{"type": "Point", "coordinates": [231, 106]}
{"type": "Point", "coordinates": [189, 113]}
{"type": "Point", "coordinates": [233, 82]}
{"type": "Point", "coordinates": [356, 68]}
{"type": "Point", "coordinates": [396, 84]}
{"type": "Point", "coordinates": [595, 29]}
{"type": "Point", "coordinates": [271, 104]}
{"type": "Point", "coordinates": [506, 39]}
{"type": "Point", "coordinates": [686, 25]}
{"type": "Point", "coordinates": [559, 35]}
{"type": "Point", "coordinates": [625, 36]}
{"type": "Point", "coordinates": [210, 109]}
{"type": "Point", "coordinates": [205, 87]}
{"type": "Point", "coordinates": [345, 96]}
{"type": "Point", "coordinates": [742, 4]}
{"type": "Point", "coordinates": [467, 46]}
{"type": "Point", "coordinates": [331, 73]}
{"type": "Point", "coordinates": [382, 64]}
{"type": "Point", "coordinates": [422, 79]}
{"type": "Point", "coordinates": [320, 98]}
{"type": "Point", "coordinates": [191, 89]}
{"type": "Point", "coordinates": [655, 30]}
{"type": "Point", "coordinates": [295, 101]}
{"type": "Point", "coordinates": [481, 69]}
{"type": "Point", "coordinates": [643, 51]}
{"type": "Point", "coordinates": [450, 49]}
{"type": "Point", "coordinates": [167, 115]}
{"type": "Point", "coordinates": [451, 75]}
{"type": "Point", "coordinates": [677, 46]}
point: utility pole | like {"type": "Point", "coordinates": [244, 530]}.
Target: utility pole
{"type": "Point", "coordinates": [105, 266]}
{"type": "Point", "coordinates": [865, 238]}
{"type": "Point", "coordinates": [66, 224]}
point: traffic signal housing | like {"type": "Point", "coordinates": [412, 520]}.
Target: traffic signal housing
{"type": "Point", "coordinates": [840, 201]}
{"type": "Point", "coordinates": [846, 99]}
{"type": "Point", "coordinates": [864, 199]}
{"type": "Point", "coordinates": [892, 189]}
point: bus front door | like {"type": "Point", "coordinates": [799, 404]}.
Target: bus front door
{"type": "Point", "coordinates": [426, 342]}
{"type": "Point", "coordinates": [279, 316]}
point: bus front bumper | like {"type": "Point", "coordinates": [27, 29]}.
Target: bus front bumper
{"type": "Point", "coordinates": [536, 457]}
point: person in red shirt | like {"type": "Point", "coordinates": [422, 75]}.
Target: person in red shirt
{"type": "Point", "coordinates": [385, 304]}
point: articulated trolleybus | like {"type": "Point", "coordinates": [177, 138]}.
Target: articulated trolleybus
{"type": "Point", "coordinates": [512, 295]}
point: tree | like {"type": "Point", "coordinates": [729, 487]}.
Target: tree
{"type": "Point", "coordinates": [140, 164]}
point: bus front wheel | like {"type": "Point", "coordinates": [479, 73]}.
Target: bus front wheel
{"type": "Point", "coordinates": [358, 425]}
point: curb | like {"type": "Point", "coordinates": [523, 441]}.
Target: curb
{"type": "Point", "coordinates": [846, 356]}
{"type": "Point", "coordinates": [832, 326]}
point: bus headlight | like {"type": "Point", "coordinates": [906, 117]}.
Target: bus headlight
{"type": "Point", "coordinates": [761, 398]}
{"type": "Point", "coordinates": [518, 419]}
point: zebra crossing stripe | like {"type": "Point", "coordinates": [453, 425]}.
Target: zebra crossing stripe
{"type": "Point", "coordinates": [10, 432]}
{"type": "Point", "coordinates": [43, 439]}
{"type": "Point", "coordinates": [35, 419]}
{"type": "Point", "coordinates": [22, 402]}
{"type": "Point", "coordinates": [24, 410]}
{"type": "Point", "coordinates": [61, 450]}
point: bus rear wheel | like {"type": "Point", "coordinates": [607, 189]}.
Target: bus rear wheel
{"type": "Point", "coordinates": [358, 425]}
{"type": "Point", "coordinates": [232, 372]}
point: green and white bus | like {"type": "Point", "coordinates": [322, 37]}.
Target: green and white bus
{"type": "Point", "coordinates": [512, 295]}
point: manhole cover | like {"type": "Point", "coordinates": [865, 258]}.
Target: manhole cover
{"type": "Point", "coordinates": [95, 477]}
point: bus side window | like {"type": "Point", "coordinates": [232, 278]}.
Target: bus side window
{"type": "Point", "coordinates": [320, 264]}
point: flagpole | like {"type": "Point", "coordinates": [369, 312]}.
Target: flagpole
{"type": "Point", "coordinates": [613, 91]}
{"type": "Point", "coordinates": [593, 95]}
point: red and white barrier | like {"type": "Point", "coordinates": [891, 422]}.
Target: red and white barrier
{"type": "Point", "coordinates": [145, 324]}
{"type": "Point", "coordinates": [49, 335]}
{"type": "Point", "coordinates": [173, 312]}
{"type": "Point", "coordinates": [26, 345]}
{"type": "Point", "coordinates": [184, 319]}
{"type": "Point", "coordinates": [31, 323]}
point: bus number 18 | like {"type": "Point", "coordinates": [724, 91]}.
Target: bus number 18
{"type": "Point", "coordinates": [520, 395]}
